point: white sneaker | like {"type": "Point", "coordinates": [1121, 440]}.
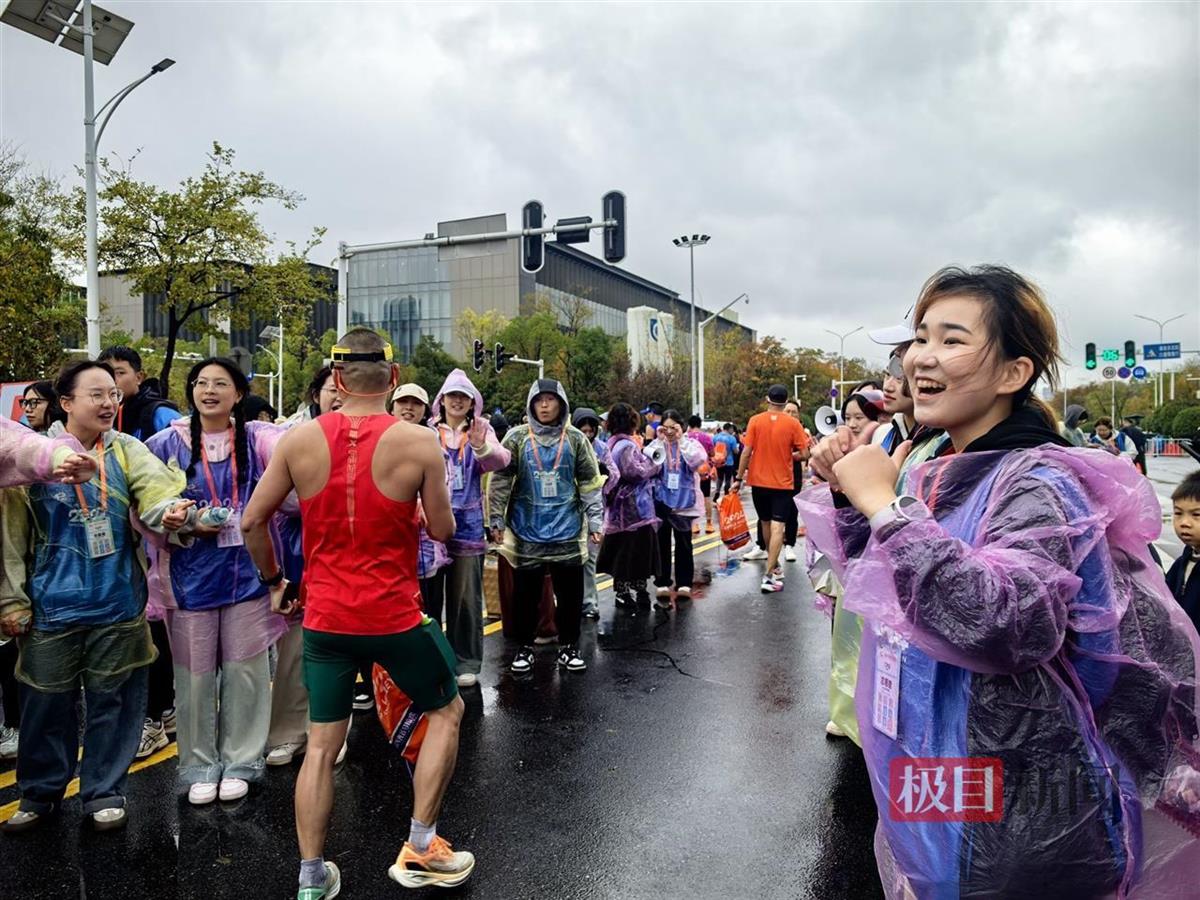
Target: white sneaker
{"type": "Point", "coordinates": [109, 819]}
{"type": "Point", "coordinates": [9, 739]}
{"type": "Point", "coordinates": [467, 679]}
{"type": "Point", "coordinates": [233, 789]}
{"type": "Point", "coordinates": [771, 585]}
{"type": "Point", "coordinates": [169, 721]}
{"type": "Point", "coordinates": [154, 738]}
{"type": "Point", "coordinates": [342, 753]}
{"type": "Point", "coordinates": [285, 753]}
{"type": "Point", "coordinates": [789, 554]}
{"type": "Point", "coordinates": [200, 794]}
{"type": "Point", "coordinates": [756, 553]}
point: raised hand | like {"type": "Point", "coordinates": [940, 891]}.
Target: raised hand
{"type": "Point", "coordinates": [833, 447]}
{"type": "Point", "coordinates": [867, 476]}
{"type": "Point", "coordinates": [477, 434]}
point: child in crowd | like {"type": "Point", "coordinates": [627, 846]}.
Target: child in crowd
{"type": "Point", "coordinates": [1184, 576]}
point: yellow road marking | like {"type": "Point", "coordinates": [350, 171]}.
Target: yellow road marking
{"type": "Point", "coordinates": [163, 755]}
{"type": "Point", "coordinates": [8, 779]}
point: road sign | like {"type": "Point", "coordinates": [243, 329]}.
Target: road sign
{"type": "Point", "coordinates": [1160, 351]}
{"type": "Point", "coordinates": [1124, 372]}
{"type": "Point", "coordinates": [833, 392]}
{"type": "Point", "coordinates": [1111, 355]}
{"type": "Point", "coordinates": [1109, 372]}
{"type": "Point", "coordinates": [1139, 372]}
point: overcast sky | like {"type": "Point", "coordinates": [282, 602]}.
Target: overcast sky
{"type": "Point", "coordinates": [838, 154]}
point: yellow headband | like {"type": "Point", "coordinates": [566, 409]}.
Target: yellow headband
{"type": "Point", "coordinates": [345, 355]}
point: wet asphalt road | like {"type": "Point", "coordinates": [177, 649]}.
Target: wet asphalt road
{"type": "Point", "coordinates": [689, 761]}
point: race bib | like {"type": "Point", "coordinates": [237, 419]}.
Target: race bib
{"type": "Point", "coordinates": [672, 481]}
{"type": "Point", "coordinates": [548, 484]}
{"type": "Point", "coordinates": [230, 534]}
{"type": "Point", "coordinates": [100, 536]}
{"type": "Point", "coordinates": [886, 700]}
{"type": "Point", "coordinates": [457, 477]}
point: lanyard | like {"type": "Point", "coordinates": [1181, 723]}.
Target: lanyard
{"type": "Point", "coordinates": [103, 481]}
{"type": "Point", "coordinates": [462, 448]}
{"type": "Point", "coordinates": [672, 466]}
{"type": "Point", "coordinates": [537, 459]}
{"type": "Point", "coordinates": [212, 485]}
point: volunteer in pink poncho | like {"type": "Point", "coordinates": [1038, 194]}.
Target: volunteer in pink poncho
{"type": "Point", "coordinates": [1026, 692]}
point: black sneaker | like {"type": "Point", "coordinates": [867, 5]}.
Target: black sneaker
{"type": "Point", "coordinates": [592, 614]}
{"type": "Point", "coordinates": [569, 659]}
{"type": "Point", "coordinates": [522, 662]}
{"type": "Point", "coordinates": [363, 699]}
{"type": "Point", "coordinates": [643, 600]}
{"type": "Point", "coordinates": [623, 601]}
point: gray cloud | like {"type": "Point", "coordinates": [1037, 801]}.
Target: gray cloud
{"type": "Point", "coordinates": [838, 153]}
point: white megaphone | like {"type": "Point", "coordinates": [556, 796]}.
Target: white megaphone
{"type": "Point", "coordinates": [655, 452]}
{"type": "Point", "coordinates": [827, 420]}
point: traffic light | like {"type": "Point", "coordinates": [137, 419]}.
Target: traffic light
{"type": "Point", "coordinates": [1130, 354]}
{"type": "Point", "coordinates": [614, 237]}
{"type": "Point", "coordinates": [1089, 356]}
{"type": "Point", "coordinates": [477, 357]}
{"type": "Point", "coordinates": [532, 251]}
{"type": "Point", "coordinates": [501, 357]}
{"type": "Point", "coordinates": [574, 237]}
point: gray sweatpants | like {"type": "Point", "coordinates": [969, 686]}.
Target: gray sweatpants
{"type": "Point", "coordinates": [458, 591]}
{"type": "Point", "coordinates": [223, 721]}
{"type": "Point", "coordinates": [289, 697]}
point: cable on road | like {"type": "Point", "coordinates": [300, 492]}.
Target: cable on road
{"type": "Point", "coordinates": [639, 647]}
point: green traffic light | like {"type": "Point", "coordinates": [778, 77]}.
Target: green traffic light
{"type": "Point", "coordinates": [1091, 364]}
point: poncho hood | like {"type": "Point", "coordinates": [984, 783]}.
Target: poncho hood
{"type": "Point", "coordinates": [457, 382]}
{"type": "Point", "coordinates": [546, 433]}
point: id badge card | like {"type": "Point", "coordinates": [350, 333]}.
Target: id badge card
{"type": "Point", "coordinates": [100, 537]}
{"type": "Point", "coordinates": [672, 481]}
{"type": "Point", "coordinates": [230, 534]}
{"type": "Point", "coordinates": [457, 477]}
{"type": "Point", "coordinates": [548, 484]}
{"type": "Point", "coordinates": [886, 699]}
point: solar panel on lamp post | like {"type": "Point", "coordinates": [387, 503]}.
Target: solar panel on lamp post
{"type": "Point", "coordinates": [696, 240]}
{"type": "Point", "coordinates": [97, 35]}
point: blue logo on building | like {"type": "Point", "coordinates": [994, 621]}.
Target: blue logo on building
{"type": "Point", "coordinates": [654, 329]}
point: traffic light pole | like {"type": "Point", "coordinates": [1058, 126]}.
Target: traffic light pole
{"type": "Point", "coordinates": [532, 362]}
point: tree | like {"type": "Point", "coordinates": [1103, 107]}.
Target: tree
{"type": "Point", "coordinates": [200, 248]}
{"type": "Point", "coordinates": [430, 364]}
{"type": "Point", "coordinates": [36, 311]}
{"type": "Point", "coordinates": [1187, 423]}
{"type": "Point", "coordinates": [587, 361]}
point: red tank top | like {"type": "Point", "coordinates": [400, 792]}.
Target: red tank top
{"type": "Point", "coordinates": [360, 547]}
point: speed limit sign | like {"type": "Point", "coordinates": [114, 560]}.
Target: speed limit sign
{"type": "Point", "coordinates": [1109, 372]}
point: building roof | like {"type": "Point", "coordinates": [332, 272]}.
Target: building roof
{"type": "Point", "coordinates": [595, 262]}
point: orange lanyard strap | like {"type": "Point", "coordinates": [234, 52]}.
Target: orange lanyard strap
{"type": "Point", "coordinates": [462, 448]}
{"type": "Point", "coordinates": [103, 481]}
{"type": "Point", "coordinates": [537, 458]}
{"type": "Point", "coordinates": [208, 476]}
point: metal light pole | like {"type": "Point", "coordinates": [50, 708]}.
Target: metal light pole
{"type": "Point", "coordinates": [696, 240]}
{"type": "Point", "coordinates": [700, 405]}
{"type": "Point", "coordinates": [842, 360]}
{"type": "Point", "coordinates": [1161, 325]}
{"type": "Point", "coordinates": [796, 379]}
{"type": "Point", "coordinates": [52, 22]}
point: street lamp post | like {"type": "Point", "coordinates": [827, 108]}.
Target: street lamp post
{"type": "Point", "coordinates": [796, 379]}
{"type": "Point", "coordinates": [700, 405]}
{"type": "Point", "coordinates": [96, 42]}
{"type": "Point", "coordinates": [696, 240]}
{"type": "Point", "coordinates": [842, 360]}
{"type": "Point", "coordinates": [1158, 392]}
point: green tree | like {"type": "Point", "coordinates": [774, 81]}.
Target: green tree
{"type": "Point", "coordinates": [430, 364]}
{"type": "Point", "coordinates": [1186, 423]}
{"type": "Point", "coordinates": [36, 310]}
{"type": "Point", "coordinates": [587, 359]}
{"type": "Point", "coordinates": [200, 247]}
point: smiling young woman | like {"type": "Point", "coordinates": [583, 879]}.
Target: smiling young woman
{"type": "Point", "coordinates": [1012, 615]}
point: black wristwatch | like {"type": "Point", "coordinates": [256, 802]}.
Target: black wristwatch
{"type": "Point", "coordinates": [273, 581]}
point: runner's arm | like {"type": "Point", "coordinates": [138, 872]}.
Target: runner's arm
{"type": "Point", "coordinates": [269, 494]}
{"type": "Point", "coordinates": [435, 496]}
{"type": "Point", "coordinates": [15, 542]}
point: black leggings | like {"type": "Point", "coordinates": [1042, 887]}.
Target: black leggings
{"type": "Point", "coordinates": [724, 480]}
{"type": "Point", "coordinates": [568, 600]}
{"type": "Point", "coordinates": [160, 693]}
{"type": "Point", "coordinates": [684, 564]}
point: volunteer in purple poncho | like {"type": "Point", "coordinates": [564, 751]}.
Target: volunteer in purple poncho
{"type": "Point", "coordinates": [217, 608]}
{"type": "Point", "coordinates": [471, 449]}
{"type": "Point", "coordinates": [678, 503]}
{"type": "Point", "coordinates": [1026, 692]}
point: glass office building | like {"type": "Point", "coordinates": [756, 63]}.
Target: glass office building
{"type": "Point", "coordinates": [422, 291]}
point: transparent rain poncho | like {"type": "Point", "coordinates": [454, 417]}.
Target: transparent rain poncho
{"type": "Point", "coordinates": [1032, 628]}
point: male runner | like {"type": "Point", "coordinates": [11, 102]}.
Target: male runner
{"type": "Point", "coordinates": [359, 474]}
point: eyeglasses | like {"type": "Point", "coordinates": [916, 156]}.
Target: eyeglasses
{"type": "Point", "coordinates": [98, 397]}
{"type": "Point", "coordinates": [203, 384]}
{"type": "Point", "coordinates": [32, 403]}
{"type": "Point", "coordinates": [895, 367]}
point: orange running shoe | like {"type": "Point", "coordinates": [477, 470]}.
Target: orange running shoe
{"type": "Point", "coordinates": [438, 866]}
{"type": "Point", "coordinates": [709, 529]}
{"type": "Point", "coordinates": [695, 529]}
